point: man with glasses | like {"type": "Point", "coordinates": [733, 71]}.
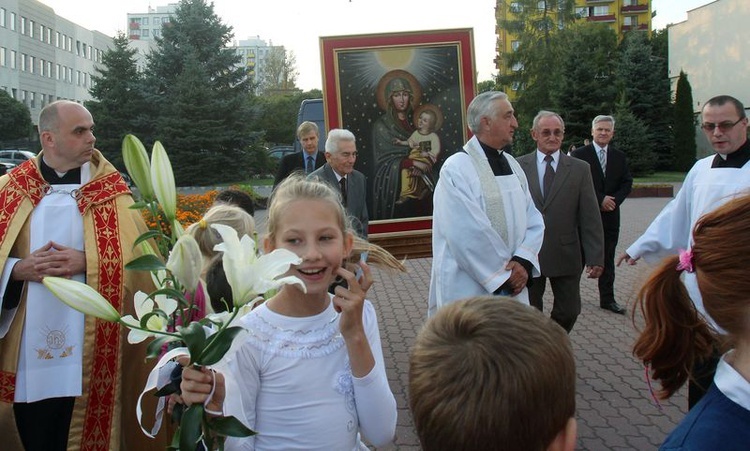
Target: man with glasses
{"type": "Point", "coordinates": [563, 192]}
{"type": "Point", "coordinates": [339, 172]}
{"type": "Point", "coordinates": [612, 184]}
{"type": "Point", "coordinates": [711, 182]}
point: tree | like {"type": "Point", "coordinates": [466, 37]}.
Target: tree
{"type": "Point", "coordinates": [532, 67]}
{"type": "Point", "coordinates": [279, 72]}
{"type": "Point", "coordinates": [277, 115]}
{"type": "Point", "coordinates": [15, 118]}
{"type": "Point", "coordinates": [684, 149]}
{"type": "Point", "coordinates": [202, 94]}
{"type": "Point", "coordinates": [644, 80]}
{"type": "Point", "coordinates": [485, 86]}
{"type": "Point", "coordinates": [632, 138]}
{"type": "Point", "coordinates": [120, 106]}
{"type": "Point", "coordinates": [585, 84]}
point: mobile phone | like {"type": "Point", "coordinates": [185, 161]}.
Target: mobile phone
{"type": "Point", "coordinates": [362, 258]}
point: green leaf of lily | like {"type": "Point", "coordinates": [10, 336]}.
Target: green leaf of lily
{"type": "Point", "coordinates": [230, 427]}
{"type": "Point", "coordinates": [148, 262]}
{"type": "Point", "coordinates": [195, 339]}
{"type": "Point", "coordinates": [190, 427]}
{"type": "Point", "coordinates": [136, 162]}
{"type": "Point", "coordinates": [163, 179]}
{"type": "Point", "coordinates": [81, 297]}
{"type": "Point", "coordinates": [218, 345]}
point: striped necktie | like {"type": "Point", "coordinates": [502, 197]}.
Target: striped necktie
{"type": "Point", "coordinates": [603, 160]}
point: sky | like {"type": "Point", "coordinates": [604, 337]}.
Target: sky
{"type": "Point", "coordinates": [299, 24]}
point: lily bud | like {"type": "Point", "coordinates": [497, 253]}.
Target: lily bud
{"type": "Point", "coordinates": [136, 162]}
{"type": "Point", "coordinates": [79, 296]}
{"type": "Point", "coordinates": [185, 262]}
{"type": "Point", "coordinates": [162, 178]}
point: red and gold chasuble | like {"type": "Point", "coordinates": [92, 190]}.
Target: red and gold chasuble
{"type": "Point", "coordinates": [110, 229]}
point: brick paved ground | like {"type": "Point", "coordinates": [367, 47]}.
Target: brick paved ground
{"type": "Point", "coordinates": [614, 408]}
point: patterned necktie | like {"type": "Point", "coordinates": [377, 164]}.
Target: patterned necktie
{"type": "Point", "coordinates": [603, 160]}
{"type": "Point", "coordinates": [342, 184]}
{"type": "Point", "coordinates": [549, 175]}
{"type": "Point", "coordinates": [310, 165]}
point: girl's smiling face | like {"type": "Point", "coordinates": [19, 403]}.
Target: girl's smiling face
{"type": "Point", "coordinates": [310, 228]}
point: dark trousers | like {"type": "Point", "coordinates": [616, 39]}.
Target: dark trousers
{"type": "Point", "coordinates": [44, 425]}
{"type": "Point", "coordinates": [567, 298]}
{"type": "Point", "coordinates": [607, 279]}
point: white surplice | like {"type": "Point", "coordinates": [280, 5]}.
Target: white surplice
{"type": "Point", "coordinates": [469, 255]}
{"type": "Point", "coordinates": [704, 189]}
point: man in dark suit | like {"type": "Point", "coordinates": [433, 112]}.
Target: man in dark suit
{"type": "Point", "coordinates": [339, 172]}
{"type": "Point", "coordinates": [308, 160]}
{"type": "Point", "coordinates": [612, 183]}
{"type": "Point", "coordinates": [563, 192]}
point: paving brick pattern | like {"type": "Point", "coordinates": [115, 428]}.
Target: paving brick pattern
{"type": "Point", "coordinates": [614, 408]}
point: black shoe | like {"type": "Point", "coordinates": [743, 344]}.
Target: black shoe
{"type": "Point", "coordinates": [614, 307]}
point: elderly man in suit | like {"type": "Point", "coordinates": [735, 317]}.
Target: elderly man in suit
{"type": "Point", "coordinates": [612, 183]}
{"type": "Point", "coordinates": [339, 172]}
{"type": "Point", "coordinates": [563, 192]}
{"type": "Point", "coordinates": [308, 160]}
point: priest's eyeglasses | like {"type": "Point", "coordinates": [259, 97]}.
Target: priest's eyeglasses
{"type": "Point", "coordinates": [723, 126]}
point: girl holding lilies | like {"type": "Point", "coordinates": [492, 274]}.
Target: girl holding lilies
{"type": "Point", "coordinates": [310, 373]}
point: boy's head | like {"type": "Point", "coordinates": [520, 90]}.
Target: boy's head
{"type": "Point", "coordinates": [488, 372]}
{"type": "Point", "coordinates": [426, 123]}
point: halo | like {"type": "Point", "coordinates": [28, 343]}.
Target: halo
{"type": "Point", "coordinates": [429, 107]}
{"type": "Point", "coordinates": [416, 88]}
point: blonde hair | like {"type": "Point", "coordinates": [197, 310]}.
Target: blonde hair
{"type": "Point", "coordinates": [230, 215]}
{"type": "Point", "coordinates": [298, 187]}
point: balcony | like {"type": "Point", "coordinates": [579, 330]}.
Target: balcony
{"type": "Point", "coordinates": [134, 37]}
{"type": "Point", "coordinates": [607, 18]}
{"type": "Point", "coordinates": [135, 25]}
{"type": "Point", "coordinates": [634, 9]}
{"type": "Point", "coordinates": [641, 27]}
{"type": "Point", "coordinates": [594, 2]}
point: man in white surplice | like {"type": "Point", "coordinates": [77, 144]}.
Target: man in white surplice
{"type": "Point", "coordinates": [486, 231]}
{"type": "Point", "coordinates": [711, 182]}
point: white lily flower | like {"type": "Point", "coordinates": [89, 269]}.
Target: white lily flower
{"type": "Point", "coordinates": [144, 305]}
{"type": "Point", "coordinates": [136, 162]}
{"type": "Point", "coordinates": [81, 297]}
{"type": "Point", "coordinates": [162, 178]}
{"type": "Point", "coordinates": [248, 274]}
{"type": "Point", "coordinates": [177, 229]}
{"type": "Point", "coordinates": [185, 262]}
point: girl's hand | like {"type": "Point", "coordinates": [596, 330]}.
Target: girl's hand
{"type": "Point", "coordinates": [197, 384]}
{"type": "Point", "coordinates": [350, 301]}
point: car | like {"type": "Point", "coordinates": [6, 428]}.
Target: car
{"type": "Point", "coordinates": [279, 152]}
{"type": "Point", "coordinates": [15, 156]}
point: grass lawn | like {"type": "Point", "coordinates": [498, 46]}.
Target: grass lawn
{"type": "Point", "coordinates": [661, 177]}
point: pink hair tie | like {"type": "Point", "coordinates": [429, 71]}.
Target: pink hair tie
{"type": "Point", "coordinates": [686, 261]}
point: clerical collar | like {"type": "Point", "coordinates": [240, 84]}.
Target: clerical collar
{"type": "Point", "coordinates": [736, 159]}
{"type": "Point", "coordinates": [495, 158]}
{"type": "Point", "coordinates": [71, 177]}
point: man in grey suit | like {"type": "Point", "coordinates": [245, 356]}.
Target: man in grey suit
{"type": "Point", "coordinates": [339, 172]}
{"type": "Point", "coordinates": [563, 191]}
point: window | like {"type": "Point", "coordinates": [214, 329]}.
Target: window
{"type": "Point", "coordinates": [41, 67]}
{"type": "Point", "coordinates": [31, 28]}
{"type": "Point", "coordinates": [2, 17]}
{"type": "Point", "coordinates": [516, 7]}
{"type": "Point", "coordinates": [630, 21]}
{"type": "Point", "coordinates": [601, 10]}
{"type": "Point", "coordinates": [630, 2]}
{"type": "Point", "coordinates": [23, 26]}
{"type": "Point", "coordinates": [144, 33]}
{"type": "Point", "coordinates": [32, 98]}
{"type": "Point", "coordinates": [145, 21]}
{"type": "Point", "coordinates": [32, 63]}
{"type": "Point", "coordinates": [13, 21]}
{"type": "Point", "coordinates": [78, 48]}
{"type": "Point", "coordinates": [517, 67]}
{"type": "Point", "coordinates": [49, 35]}
{"type": "Point", "coordinates": [49, 69]}
{"type": "Point", "coordinates": [514, 44]}
{"type": "Point", "coordinates": [23, 62]}
{"type": "Point", "coordinates": [165, 20]}
{"type": "Point", "coordinates": [70, 44]}
{"type": "Point", "coordinates": [3, 63]}
{"type": "Point", "coordinates": [57, 71]}
{"type": "Point", "coordinates": [541, 6]}
{"type": "Point", "coordinates": [13, 58]}
{"type": "Point", "coordinates": [582, 12]}
{"type": "Point", "coordinates": [157, 32]}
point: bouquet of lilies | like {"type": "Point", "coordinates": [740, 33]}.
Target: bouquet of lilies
{"type": "Point", "coordinates": [174, 261]}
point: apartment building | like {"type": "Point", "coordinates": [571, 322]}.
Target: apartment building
{"type": "Point", "coordinates": [45, 57]}
{"type": "Point", "coordinates": [623, 16]}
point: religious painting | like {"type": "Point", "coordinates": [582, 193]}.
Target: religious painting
{"type": "Point", "coordinates": [404, 96]}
